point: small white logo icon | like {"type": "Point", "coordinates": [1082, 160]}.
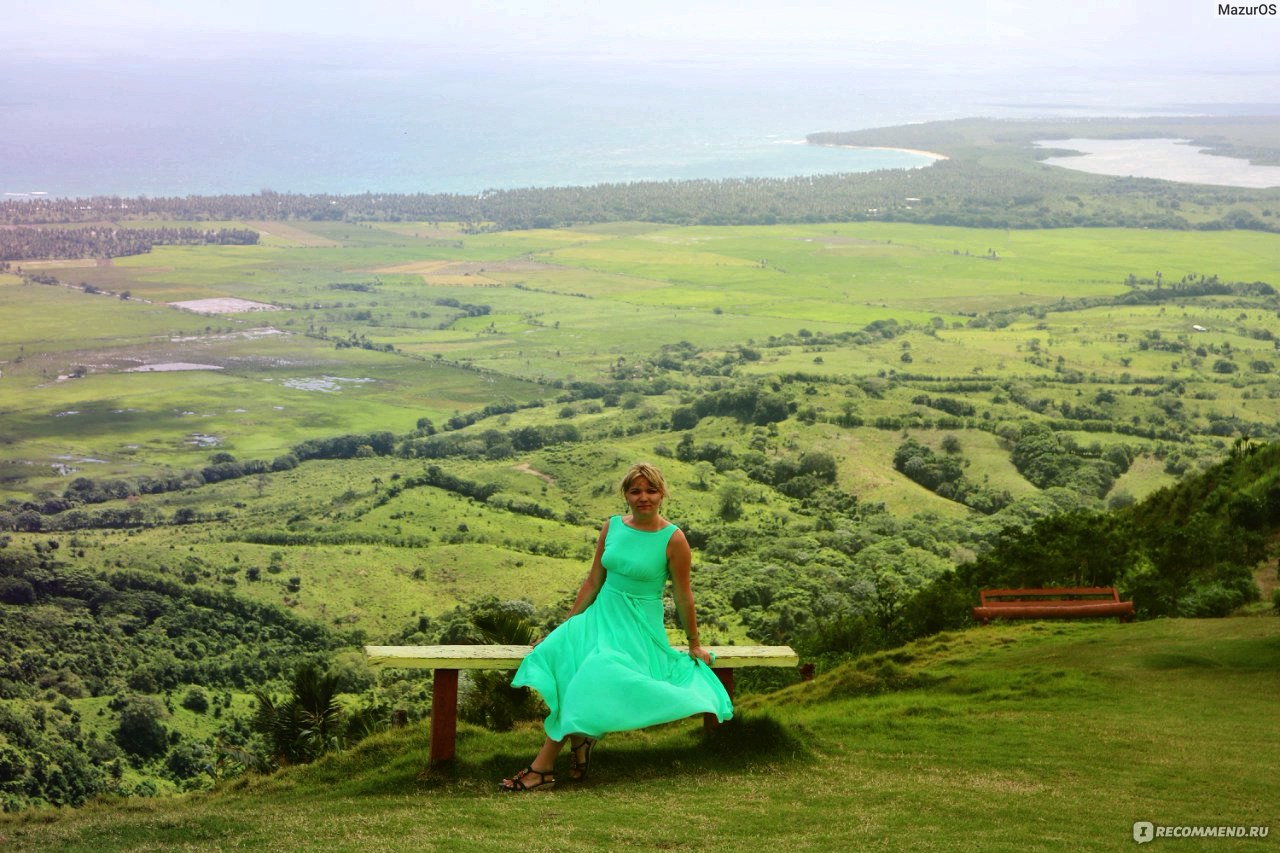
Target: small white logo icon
{"type": "Point", "coordinates": [1143, 831]}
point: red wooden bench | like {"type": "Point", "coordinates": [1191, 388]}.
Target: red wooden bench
{"type": "Point", "coordinates": [1081, 602]}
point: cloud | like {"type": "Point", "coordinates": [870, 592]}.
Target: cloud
{"type": "Point", "coordinates": [992, 33]}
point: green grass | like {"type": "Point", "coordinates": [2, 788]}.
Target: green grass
{"type": "Point", "coordinates": [1029, 736]}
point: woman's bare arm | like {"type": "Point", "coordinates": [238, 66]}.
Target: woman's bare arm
{"type": "Point", "coordinates": [680, 564]}
{"type": "Point", "coordinates": [595, 578]}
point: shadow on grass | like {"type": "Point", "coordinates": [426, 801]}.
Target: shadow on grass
{"type": "Point", "coordinates": [391, 763]}
{"type": "Point", "coordinates": [743, 743]}
{"type": "Point", "coordinates": [752, 739]}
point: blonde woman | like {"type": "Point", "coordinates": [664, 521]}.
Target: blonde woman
{"type": "Point", "coordinates": [609, 667]}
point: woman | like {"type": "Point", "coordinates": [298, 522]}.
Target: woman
{"type": "Point", "coordinates": [609, 666]}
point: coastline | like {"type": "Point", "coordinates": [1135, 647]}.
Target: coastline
{"type": "Point", "coordinates": [934, 154]}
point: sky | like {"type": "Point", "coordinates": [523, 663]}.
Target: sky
{"type": "Point", "coordinates": [944, 34]}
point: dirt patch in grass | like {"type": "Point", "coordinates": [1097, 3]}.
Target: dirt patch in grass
{"type": "Point", "coordinates": [420, 231]}
{"type": "Point", "coordinates": [67, 263]}
{"type": "Point", "coordinates": [224, 305]}
{"type": "Point", "coordinates": [172, 366]}
{"type": "Point", "coordinates": [839, 241]}
{"type": "Point", "coordinates": [292, 235]}
{"type": "Point", "coordinates": [526, 468]}
{"type": "Point", "coordinates": [469, 268]}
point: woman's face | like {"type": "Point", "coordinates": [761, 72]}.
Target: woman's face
{"type": "Point", "coordinates": [643, 498]}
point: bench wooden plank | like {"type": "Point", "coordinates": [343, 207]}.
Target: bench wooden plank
{"type": "Point", "coordinates": [509, 657]}
{"type": "Point", "coordinates": [447, 657]}
{"type": "Point", "coordinates": [1051, 606]}
{"type": "Point", "coordinates": [1059, 609]}
{"type": "Point", "coordinates": [1052, 603]}
{"type": "Point", "coordinates": [1076, 592]}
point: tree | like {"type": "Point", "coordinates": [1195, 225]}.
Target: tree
{"type": "Point", "coordinates": [141, 730]}
{"type": "Point", "coordinates": [490, 699]}
{"type": "Point", "coordinates": [703, 470]}
{"type": "Point", "coordinates": [16, 591]}
{"type": "Point", "coordinates": [28, 521]}
{"type": "Point", "coordinates": [819, 464]}
{"type": "Point", "coordinates": [770, 408]}
{"type": "Point", "coordinates": [305, 725]}
{"type": "Point", "coordinates": [1223, 365]}
{"type": "Point", "coordinates": [685, 417]}
{"type": "Point", "coordinates": [731, 501]}
{"type": "Point", "coordinates": [188, 760]}
{"type": "Point", "coordinates": [13, 763]}
{"type": "Point", "coordinates": [195, 699]}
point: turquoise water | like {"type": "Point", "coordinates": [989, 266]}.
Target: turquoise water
{"type": "Point", "coordinates": [409, 124]}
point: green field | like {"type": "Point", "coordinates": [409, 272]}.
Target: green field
{"type": "Point", "coordinates": [573, 306]}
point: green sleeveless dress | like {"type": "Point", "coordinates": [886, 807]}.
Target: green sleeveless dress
{"type": "Point", "coordinates": [610, 667]}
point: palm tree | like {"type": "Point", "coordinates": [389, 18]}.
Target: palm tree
{"type": "Point", "coordinates": [490, 699]}
{"type": "Point", "coordinates": [505, 628]}
{"type": "Point", "coordinates": [307, 724]}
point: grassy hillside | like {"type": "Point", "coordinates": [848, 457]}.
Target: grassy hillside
{"type": "Point", "coordinates": [1041, 735]}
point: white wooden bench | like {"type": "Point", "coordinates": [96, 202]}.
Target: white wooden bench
{"type": "Point", "coordinates": [445, 661]}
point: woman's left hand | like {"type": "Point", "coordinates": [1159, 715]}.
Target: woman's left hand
{"type": "Point", "coordinates": [697, 652]}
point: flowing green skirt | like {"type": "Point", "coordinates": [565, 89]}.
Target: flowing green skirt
{"type": "Point", "coordinates": [610, 668]}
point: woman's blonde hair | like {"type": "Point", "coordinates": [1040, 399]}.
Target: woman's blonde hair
{"type": "Point", "coordinates": [650, 473]}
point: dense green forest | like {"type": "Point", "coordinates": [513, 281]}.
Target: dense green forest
{"type": "Point", "coordinates": [32, 243]}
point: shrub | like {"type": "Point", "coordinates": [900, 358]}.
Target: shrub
{"type": "Point", "coordinates": [195, 699]}
{"type": "Point", "coordinates": [304, 725]}
{"type": "Point", "coordinates": [1214, 599]}
{"type": "Point", "coordinates": [187, 760]}
{"type": "Point", "coordinates": [16, 591]}
{"type": "Point", "coordinates": [141, 731]}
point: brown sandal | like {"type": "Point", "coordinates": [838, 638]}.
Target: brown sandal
{"type": "Point", "coordinates": [578, 768]}
{"type": "Point", "coordinates": [516, 783]}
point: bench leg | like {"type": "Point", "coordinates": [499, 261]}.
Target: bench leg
{"type": "Point", "coordinates": [709, 721]}
{"type": "Point", "coordinates": [444, 716]}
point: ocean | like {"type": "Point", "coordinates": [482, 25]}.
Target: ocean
{"type": "Point", "coordinates": [377, 123]}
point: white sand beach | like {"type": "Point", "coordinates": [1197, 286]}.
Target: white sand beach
{"type": "Point", "coordinates": [934, 154]}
